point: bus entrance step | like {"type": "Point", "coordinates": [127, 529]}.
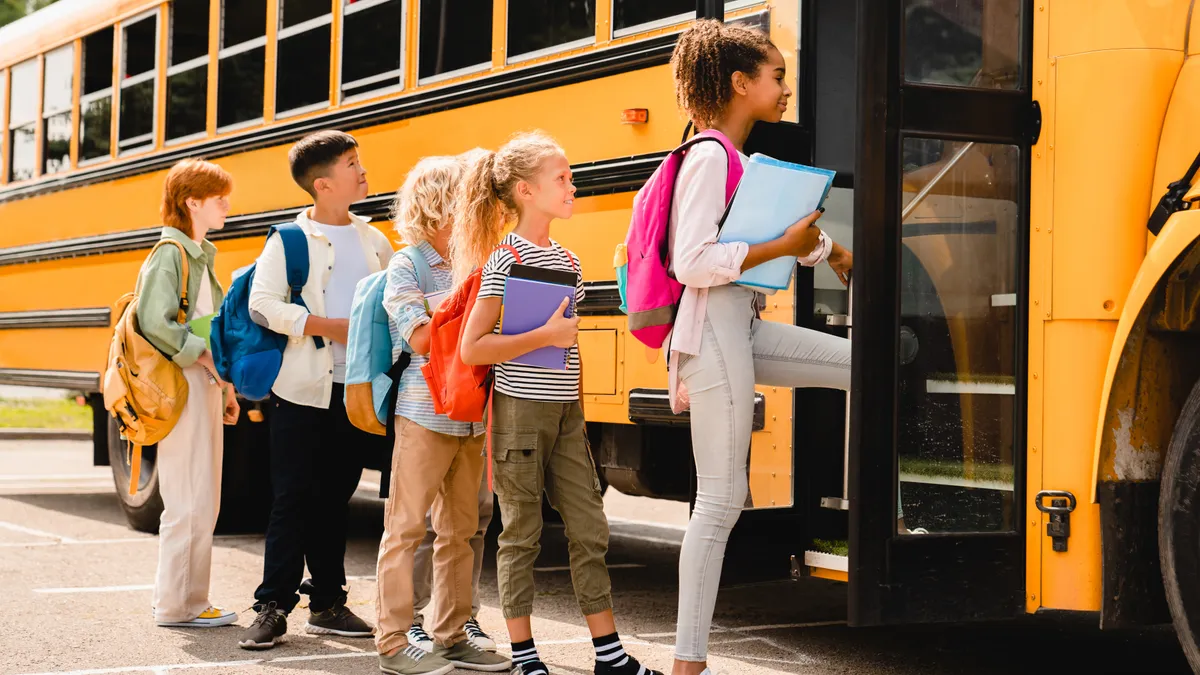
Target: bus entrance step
{"type": "Point", "coordinates": [835, 503]}
{"type": "Point", "coordinates": [827, 565]}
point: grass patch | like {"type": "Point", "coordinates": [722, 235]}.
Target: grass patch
{"type": "Point", "coordinates": [44, 414]}
{"type": "Point", "coordinates": [999, 473]}
{"type": "Point", "coordinates": [838, 547]}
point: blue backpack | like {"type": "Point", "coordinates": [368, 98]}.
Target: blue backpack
{"type": "Point", "coordinates": [373, 362]}
{"type": "Point", "coordinates": [248, 354]}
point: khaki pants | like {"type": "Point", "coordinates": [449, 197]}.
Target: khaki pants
{"type": "Point", "coordinates": [423, 563]}
{"type": "Point", "coordinates": [189, 479]}
{"type": "Point", "coordinates": [428, 469]}
{"type": "Point", "coordinates": [540, 446]}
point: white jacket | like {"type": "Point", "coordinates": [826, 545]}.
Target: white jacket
{"type": "Point", "coordinates": [306, 377]}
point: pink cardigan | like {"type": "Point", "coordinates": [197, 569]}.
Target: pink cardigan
{"type": "Point", "coordinates": [698, 260]}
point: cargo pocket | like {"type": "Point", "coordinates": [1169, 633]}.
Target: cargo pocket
{"type": "Point", "coordinates": [518, 472]}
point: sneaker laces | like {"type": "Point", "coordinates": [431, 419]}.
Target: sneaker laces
{"type": "Point", "coordinates": [415, 653]}
{"type": "Point", "coordinates": [474, 631]}
{"type": "Point", "coordinates": [268, 613]}
{"type": "Point", "coordinates": [418, 633]}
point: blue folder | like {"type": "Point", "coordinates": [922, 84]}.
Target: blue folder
{"type": "Point", "coordinates": [771, 197]}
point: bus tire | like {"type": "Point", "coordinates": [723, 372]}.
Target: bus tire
{"type": "Point", "coordinates": [142, 510]}
{"type": "Point", "coordinates": [1179, 528]}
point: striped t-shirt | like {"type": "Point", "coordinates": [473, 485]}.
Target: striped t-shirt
{"type": "Point", "coordinates": [531, 382]}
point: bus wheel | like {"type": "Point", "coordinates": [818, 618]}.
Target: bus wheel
{"type": "Point", "coordinates": [1179, 528]}
{"type": "Point", "coordinates": [143, 509]}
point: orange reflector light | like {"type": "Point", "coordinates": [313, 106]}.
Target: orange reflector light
{"type": "Point", "coordinates": [635, 116]}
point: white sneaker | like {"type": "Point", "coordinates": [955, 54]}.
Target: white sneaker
{"type": "Point", "coordinates": [477, 637]}
{"type": "Point", "coordinates": [209, 618]}
{"type": "Point", "coordinates": [417, 637]}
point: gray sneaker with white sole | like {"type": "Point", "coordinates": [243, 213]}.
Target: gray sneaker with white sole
{"type": "Point", "coordinates": [467, 656]}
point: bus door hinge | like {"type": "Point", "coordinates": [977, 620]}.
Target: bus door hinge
{"type": "Point", "coordinates": [1035, 122]}
{"type": "Point", "coordinates": [1062, 503]}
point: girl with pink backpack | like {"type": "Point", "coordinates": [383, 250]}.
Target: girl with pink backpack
{"type": "Point", "coordinates": [727, 78]}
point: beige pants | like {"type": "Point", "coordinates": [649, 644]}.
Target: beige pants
{"type": "Point", "coordinates": [428, 469]}
{"type": "Point", "coordinates": [189, 479]}
{"type": "Point", "coordinates": [423, 563]}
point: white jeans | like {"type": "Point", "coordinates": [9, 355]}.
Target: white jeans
{"type": "Point", "coordinates": [189, 479]}
{"type": "Point", "coordinates": [737, 351]}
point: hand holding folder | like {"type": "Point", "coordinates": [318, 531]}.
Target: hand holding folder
{"type": "Point", "coordinates": [772, 196]}
{"type": "Point", "coordinates": [531, 302]}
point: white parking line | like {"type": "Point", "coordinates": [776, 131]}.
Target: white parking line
{"type": "Point", "coordinates": [648, 540]}
{"type": "Point", "coordinates": [754, 629]}
{"type": "Point", "coordinates": [96, 589]}
{"type": "Point", "coordinates": [37, 533]}
{"type": "Point", "coordinates": [77, 542]}
{"type": "Point", "coordinates": [567, 568]}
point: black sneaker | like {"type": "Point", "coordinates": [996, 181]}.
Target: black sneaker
{"type": "Point", "coordinates": [338, 620]}
{"type": "Point", "coordinates": [267, 630]}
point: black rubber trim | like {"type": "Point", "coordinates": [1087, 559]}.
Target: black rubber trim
{"type": "Point", "coordinates": [85, 317]}
{"type": "Point", "coordinates": [651, 406]}
{"type": "Point", "coordinates": [593, 65]}
{"type": "Point", "coordinates": [601, 298]}
{"type": "Point", "coordinates": [593, 178]}
{"type": "Point", "coordinates": [55, 379]}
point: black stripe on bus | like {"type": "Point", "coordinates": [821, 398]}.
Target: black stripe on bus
{"type": "Point", "coordinates": [593, 178]}
{"type": "Point", "coordinates": [54, 379]}
{"type": "Point", "coordinates": [85, 317]}
{"type": "Point", "coordinates": [601, 298]}
{"type": "Point", "coordinates": [593, 65]}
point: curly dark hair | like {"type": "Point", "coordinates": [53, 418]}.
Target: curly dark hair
{"type": "Point", "coordinates": [705, 58]}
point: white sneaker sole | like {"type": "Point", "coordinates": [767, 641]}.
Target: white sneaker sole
{"type": "Point", "coordinates": [262, 646]}
{"type": "Point", "coordinates": [199, 623]}
{"type": "Point", "coordinates": [319, 630]}
{"type": "Point", "coordinates": [475, 666]}
{"type": "Point", "coordinates": [440, 671]}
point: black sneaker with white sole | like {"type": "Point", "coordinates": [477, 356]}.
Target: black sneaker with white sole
{"type": "Point", "coordinates": [338, 620]}
{"type": "Point", "coordinates": [267, 630]}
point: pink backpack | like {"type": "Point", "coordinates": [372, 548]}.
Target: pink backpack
{"type": "Point", "coordinates": [649, 294]}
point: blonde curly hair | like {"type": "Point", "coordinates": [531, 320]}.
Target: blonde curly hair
{"type": "Point", "coordinates": [485, 202]}
{"type": "Point", "coordinates": [425, 203]}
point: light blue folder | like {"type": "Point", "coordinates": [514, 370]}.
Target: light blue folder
{"type": "Point", "coordinates": [772, 196]}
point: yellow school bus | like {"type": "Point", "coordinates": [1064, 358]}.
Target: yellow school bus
{"type": "Point", "coordinates": [1024, 359]}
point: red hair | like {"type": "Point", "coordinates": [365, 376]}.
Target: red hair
{"type": "Point", "coordinates": [191, 179]}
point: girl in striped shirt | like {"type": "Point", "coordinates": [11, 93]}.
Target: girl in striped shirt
{"type": "Point", "coordinates": [539, 441]}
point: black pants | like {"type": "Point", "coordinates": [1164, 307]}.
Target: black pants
{"type": "Point", "coordinates": [317, 459]}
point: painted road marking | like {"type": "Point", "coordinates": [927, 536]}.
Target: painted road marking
{"type": "Point", "coordinates": [96, 589]}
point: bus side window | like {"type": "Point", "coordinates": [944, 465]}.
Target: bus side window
{"type": "Point", "coordinates": [22, 121]}
{"type": "Point", "coordinates": [372, 47]}
{"type": "Point", "coordinates": [95, 101]}
{"type": "Point", "coordinates": [455, 38]}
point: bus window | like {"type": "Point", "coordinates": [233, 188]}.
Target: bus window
{"type": "Point", "coordinates": [3, 105]}
{"type": "Point", "coordinates": [241, 63]}
{"type": "Point", "coordinates": [58, 89]}
{"type": "Point", "coordinates": [959, 275]}
{"type": "Point", "coordinates": [540, 27]}
{"type": "Point", "coordinates": [302, 64]}
{"type": "Point", "coordinates": [22, 121]}
{"type": "Point", "coordinates": [187, 70]}
{"type": "Point", "coordinates": [139, 82]}
{"type": "Point", "coordinates": [635, 16]}
{"type": "Point", "coordinates": [963, 43]}
{"type": "Point", "coordinates": [95, 100]}
{"type": "Point", "coordinates": [372, 46]}
{"type": "Point", "coordinates": [448, 51]}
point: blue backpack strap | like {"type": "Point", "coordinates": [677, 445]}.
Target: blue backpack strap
{"type": "Point", "coordinates": [424, 272]}
{"type": "Point", "coordinates": [295, 254]}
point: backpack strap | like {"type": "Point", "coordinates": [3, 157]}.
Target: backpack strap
{"type": "Point", "coordinates": [733, 171]}
{"type": "Point", "coordinates": [424, 271]}
{"type": "Point", "coordinates": [181, 317]}
{"type": "Point", "coordinates": [295, 255]}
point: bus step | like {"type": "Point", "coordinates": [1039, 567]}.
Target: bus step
{"type": "Point", "coordinates": [827, 565]}
{"type": "Point", "coordinates": [835, 503]}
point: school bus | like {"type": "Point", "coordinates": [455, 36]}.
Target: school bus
{"type": "Point", "coordinates": [1025, 371]}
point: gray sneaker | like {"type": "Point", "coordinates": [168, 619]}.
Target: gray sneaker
{"type": "Point", "coordinates": [467, 656]}
{"type": "Point", "coordinates": [414, 661]}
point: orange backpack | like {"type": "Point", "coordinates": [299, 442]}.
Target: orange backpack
{"type": "Point", "coordinates": [459, 391]}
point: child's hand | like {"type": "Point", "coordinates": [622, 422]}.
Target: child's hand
{"type": "Point", "coordinates": [842, 261]}
{"type": "Point", "coordinates": [801, 238]}
{"type": "Point", "coordinates": [562, 331]}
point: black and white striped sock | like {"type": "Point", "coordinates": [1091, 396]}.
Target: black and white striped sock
{"type": "Point", "coordinates": [525, 657]}
{"type": "Point", "coordinates": [611, 658]}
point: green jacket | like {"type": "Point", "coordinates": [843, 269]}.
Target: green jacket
{"type": "Point", "coordinates": [158, 297]}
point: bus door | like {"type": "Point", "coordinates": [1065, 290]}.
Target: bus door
{"type": "Point", "coordinates": [941, 211]}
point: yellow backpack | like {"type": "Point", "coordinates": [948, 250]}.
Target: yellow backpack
{"type": "Point", "coordinates": [143, 389]}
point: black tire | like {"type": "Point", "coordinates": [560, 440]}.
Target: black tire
{"type": "Point", "coordinates": [245, 479]}
{"type": "Point", "coordinates": [1179, 528]}
{"type": "Point", "coordinates": [144, 508]}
